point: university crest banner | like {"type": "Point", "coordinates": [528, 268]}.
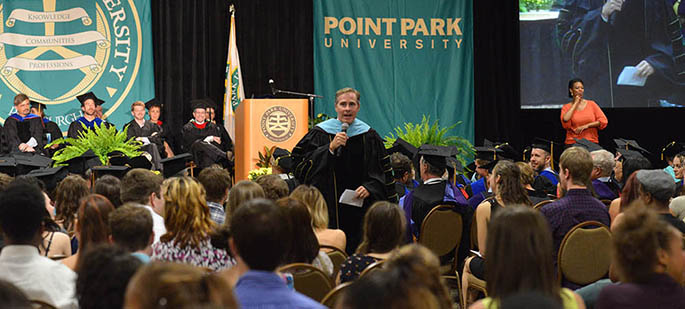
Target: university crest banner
{"type": "Point", "coordinates": [54, 50]}
{"type": "Point", "coordinates": [407, 59]}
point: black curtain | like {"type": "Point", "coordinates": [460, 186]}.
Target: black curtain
{"type": "Point", "coordinates": [190, 38]}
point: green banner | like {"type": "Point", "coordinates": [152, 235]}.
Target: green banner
{"type": "Point", "coordinates": [55, 50]}
{"type": "Point", "coordinates": [407, 59]}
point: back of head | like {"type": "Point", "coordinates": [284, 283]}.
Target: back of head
{"type": "Point", "coordinates": [635, 241]}
{"type": "Point", "coordinates": [509, 188]}
{"type": "Point", "coordinates": [603, 160]}
{"type": "Point", "coordinates": [261, 234]}
{"type": "Point", "coordinates": [131, 227]}
{"type": "Point", "coordinates": [93, 221]}
{"type": "Point", "coordinates": [420, 267]}
{"type": "Point", "coordinates": [68, 195]}
{"type": "Point", "coordinates": [401, 164]}
{"type": "Point", "coordinates": [527, 173]}
{"type": "Point", "coordinates": [186, 214]}
{"type": "Point", "coordinates": [22, 208]}
{"type": "Point", "coordinates": [138, 184]}
{"type": "Point", "coordinates": [243, 191]}
{"type": "Point", "coordinates": [174, 285]}
{"type": "Point", "coordinates": [103, 274]}
{"type": "Point", "coordinates": [632, 165]}
{"type": "Point", "coordinates": [109, 187]}
{"type": "Point", "coordinates": [579, 164]}
{"type": "Point", "coordinates": [658, 184]}
{"type": "Point", "coordinates": [5, 181]}
{"type": "Point", "coordinates": [630, 192]}
{"type": "Point", "coordinates": [384, 228]}
{"type": "Point", "coordinates": [274, 187]}
{"type": "Point", "coordinates": [520, 236]}
{"type": "Point", "coordinates": [311, 197]}
{"type": "Point", "coordinates": [32, 180]}
{"type": "Point", "coordinates": [217, 181]}
{"type": "Point", "coordinates": [304, 245]}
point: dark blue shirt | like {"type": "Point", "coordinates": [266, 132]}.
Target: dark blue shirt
{"type": "Point", "coordinates": [263, 289]}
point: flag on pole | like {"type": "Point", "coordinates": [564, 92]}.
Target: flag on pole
{"type": "Point", "coordinates": [235, 93]}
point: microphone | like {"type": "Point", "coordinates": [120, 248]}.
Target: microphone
{"type": "Point", "coordinates": [271, 84]}
{"type": "Point", "coordinates": [343, 129]}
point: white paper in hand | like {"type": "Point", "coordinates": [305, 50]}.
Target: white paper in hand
{"type": "Point", "coordinates": [349, 197]}
{"type": "Point", "coordinates": [630, 77]}
{"type": "Point", "coordinates": [209, 139]}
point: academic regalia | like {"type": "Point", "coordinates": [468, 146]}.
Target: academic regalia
{"type": "Point", "coordinates": [551, 175]}
{"type": "Point", "coordinates": [402, 189]}
{"type": "Point", "coordinates": [606, 190]}
{"type": "Point", "coordinates": [544, 184]}
{"type": "Point", "coordinates": [362, 162]}
{"type": "Point", "coordinates": [205, 154]}
{"type": "Point", "coordinates": [20, 130]}
{"type": "Point", "coordinates": [76, 127]}
{"type": "Point", "coordinates": [476, 199]}
{"type": "Point", "coordinates": [478, 186]}
{"type": "Point", "coordinates": [151, 131]}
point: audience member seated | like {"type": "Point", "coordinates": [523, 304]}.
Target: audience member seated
{"type": "Point", "coordinates": [68, 194]}
{"type": "Point", "coordinates": [519, 259]}
{"type": "Point", "coordinates": [578, 206]}
{"type": "Point", "coordinates": [143, 188]}
{"type": "Point", "coordinates": [505, 182]}
{"type": "Point", "coordinates": [188, 227]}
{"type": "Point", "coordinates": [629, 193]}
{"type": "Point", "coordinates": [677, 207]}
{"type": "Point", "coordinates": [403, 173]}
{"type": "Point", "coordinates": [282, 166]}
{"type": "Point", "coordinates": [103, 274]}
{"type": "Point", "coordinates": [655, 190]}
{"type": "Point", "coordinates": [419, 267]}
{"type": "Point", "coordinates": [603, 164]}
{"type": "Point", "coordinates": [242, 192]}
{"type": "Point", "coordinates": [217, 183]}
{"type": "Point", "coordinates": [383, 231]}
{"type": "Point", "coordinates": [131, 228]}
{"type": "Point", "coordinates": [173, 285]}
{"type": "Point", "coordinates": [648, 256]}
{"type": "Point", "coordinates": [55, 243]}
{"type": "Point", "coordinates": [274, 187]}
{"type": "Point", "coordinates": [311, 197]}
{"type": "Point", "coordinates": [13, 297]}
{"type": "Point", "coordinates": [22, 209]}
{"type": "Point", "coordinates": [260, 241]}
{"type": "Point", "coordinates": [304, 247]}
{"type": "Point", "coordinates": [679, 173]}
{"type": "Point", "coordinates": [109, 187]}
{"type": "Point", "coordinates": [527, 178]}
{"type": "Point", "coordinates": [92, 226]}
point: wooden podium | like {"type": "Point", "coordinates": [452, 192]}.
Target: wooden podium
{"type": "Point", "coordinates": [267, 122]}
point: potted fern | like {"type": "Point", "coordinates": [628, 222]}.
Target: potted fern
{"type": "Point", "coordinates": [434, 134]}
{"type": "Point", "coordinates": [102, 141]}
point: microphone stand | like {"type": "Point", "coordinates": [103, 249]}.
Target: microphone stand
{"type": "Point", "coordinates": [310, 96]}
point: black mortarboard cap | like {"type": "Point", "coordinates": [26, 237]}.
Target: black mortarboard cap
{"type": "Point", "coordinates": [175, 164]}
{"type": "Point", "coordinates": [488, 152]}
{"type": "Point", "coordinates": [79, 165]}
{"type": "Point", "coordinates": [436, 155]}
{"type": "Point", "coordinates": [209, 102]}
{"type": "Point", "coordinates": [283, 159]}
{"type": "Point", "coordinates": [590, 146]}
{"type": "Point", "coordinates": [507, 151]}
{"type": "Point", "coordinates": [153, 102]}
{"type": "Point", "coordinates": [544, 144]}
{"type": "Point", "coordinates": [404, 148]}
{"type": "Point", "coordinates": [89, 95]}
{"type": "Point", "coordinates": [51, 176]}
{"type": "Point", "coordinates": [140, 162]}
{"type": "Point", "coordinates": [490, 165]}
{"type": "Point", "coordinates": [671, 149]}
{"type": "Point", "coordinates": [629, 154]}
{"type": "Point", "coordinates": [630, 144]}
{"type": "Point", "coordinates": [198, 103]}
{"type": "Point", "coordinates": [27, 162]}
{"type": "Point", "coordinates": [453, 163]}
{"type": "Point", "coordinates": [8, 165]}
{"type": "Point", "coordinates": [38, 105]}
{"type": "Point", "coordinates": [114, 170]}
{"type": "Point", "coordinates": [526, 153]}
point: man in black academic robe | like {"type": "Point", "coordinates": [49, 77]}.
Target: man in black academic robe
{"type": "Point", "coordinates": [89, 118]}
{"type": "Point", "coordinates": [51, 131]}
{"type": "Point", "coordinates": [335, 161]}
{"type": "Point", "coordinates": [202, 139]}
{"type": "Point", "coordinates": [145, 132]}
{"type": "Point", "coordinates": [227, 145]}
{"type": "Point", "coordinates": [23, 130]}
{"type": "Point", "coordinates": [154, 110]}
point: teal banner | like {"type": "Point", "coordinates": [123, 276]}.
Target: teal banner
{"type": "Point", "coordinates": [406, 58]}
{"type": "Point", "coordinates": [55, 50]}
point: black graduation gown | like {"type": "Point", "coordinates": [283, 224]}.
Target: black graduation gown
{"type": "Point", "coordinates": [18, 132]}
{"type": "Point", "coordinates": [50, 127]}
{"type": "Point", "coordinates": [226, 141]}
{"type": "Point", "coordinates": [150, 130]}
{"type": "Point", "coordinates": [363, 162]}
{"type": "Point", "coordinates": [76, 127]}
{"type": "Point", "coordinates": [205, 154]}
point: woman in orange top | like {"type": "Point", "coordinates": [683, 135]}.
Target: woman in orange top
{"type": "Point", "coordinates": [581, 118]}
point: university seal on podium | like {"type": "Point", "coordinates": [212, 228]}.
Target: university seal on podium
{"type": "Point", "coordinates": [278, 124]}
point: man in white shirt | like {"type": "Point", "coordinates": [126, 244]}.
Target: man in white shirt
{"type": "Point", "coordinates": [22, 207]}
{"type": "Point", "coordinates": [143, 187]}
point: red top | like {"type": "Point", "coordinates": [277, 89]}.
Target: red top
{"type": "Point", "coordinates": [590, 113]}
{"type": "Point", "coordinates": [200, 126]}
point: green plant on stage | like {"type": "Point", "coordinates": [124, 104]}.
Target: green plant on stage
{"type": "Point", "coordinates": [264, 160]}
{"type": "Point", "coordinates": [530, 5]}
{"type": "Point", "coordinates": [433, 134]}
{"type": "Point", "coordinates": [101, 141]}
{"type": "Point", "coordinates": [256, 173]}
{"type": "Point", "coordinates": [321, 117]}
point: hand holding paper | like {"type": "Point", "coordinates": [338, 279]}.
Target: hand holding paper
{"type": "Point", "coordinates": [349, 197]}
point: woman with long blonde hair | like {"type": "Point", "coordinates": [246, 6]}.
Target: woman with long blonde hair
{"type": "Point", "coordinates": [188, 224]}
{"type": "Point", "coordinates": [311, 197]}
